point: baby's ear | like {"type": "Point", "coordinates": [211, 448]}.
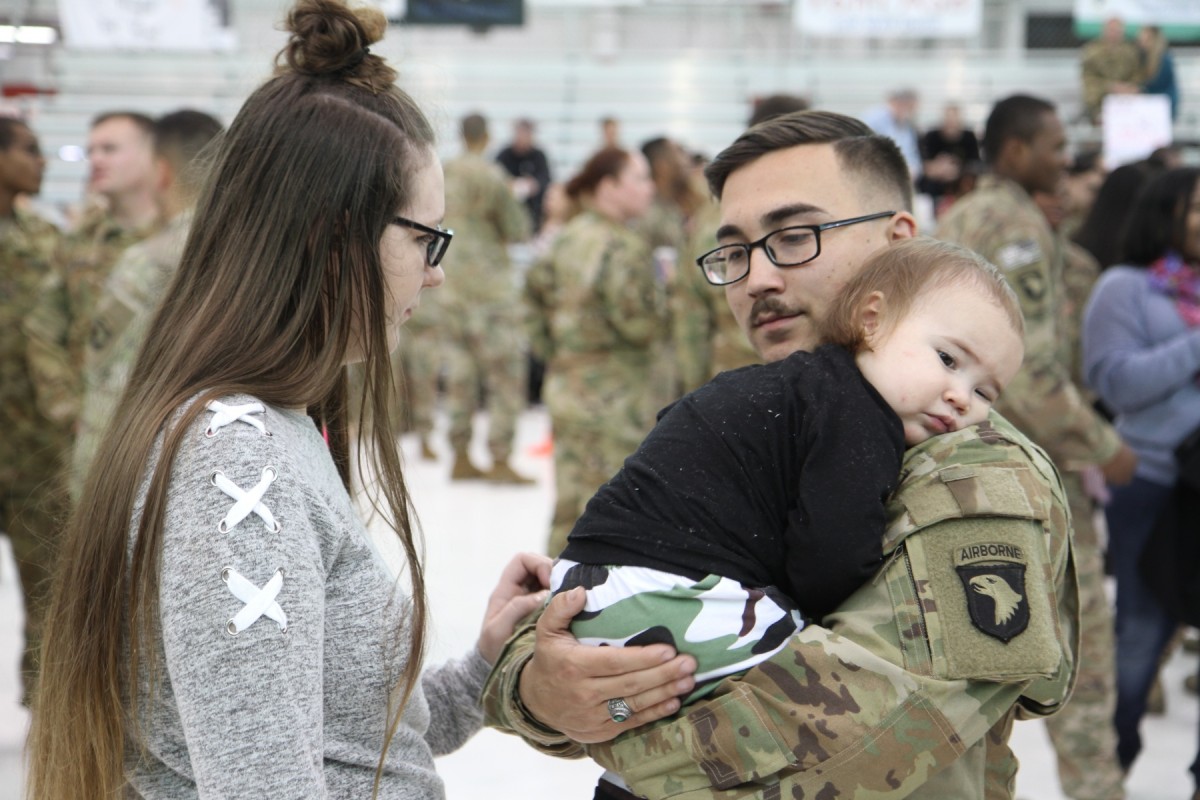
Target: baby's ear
{"type": "Point", "coordinates": [870, 316]}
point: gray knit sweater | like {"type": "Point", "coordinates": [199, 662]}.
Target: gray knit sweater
{"type": "Point", "coordinates": [282, 631]}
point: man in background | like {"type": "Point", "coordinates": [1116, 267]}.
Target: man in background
{"type": "Point", "coordinates": [126, 301]}
{"type": "Point", "coordinates": [895, 120]}
{"type": "Point", "coordinates": [32, 448]}
{"type": "Point", "coordinates": [121, 151]}
{"type": "Point", "coordinates": [530, 170]}
{"type": "Point", "coordinates": [1110, 63]}
{"type": "Point", "coordinates": [480, 327]}
{"type": "Point", "coordinates": [1025, 145]}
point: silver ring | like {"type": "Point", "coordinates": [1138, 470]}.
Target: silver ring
{"type": "Point", "coordinates": [619, 710]}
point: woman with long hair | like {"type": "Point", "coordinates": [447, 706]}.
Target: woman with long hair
{"type": "Point", "coordinates": [1103, 227]}
{"type": "Point", "coordinates": [221, 624]}
{"type": "Point", "coordinates": [596, 312]}
{"type": "Point", "coordinates": [1157, 66]}
{"type": "Point", "coordinates": [1141, 341]}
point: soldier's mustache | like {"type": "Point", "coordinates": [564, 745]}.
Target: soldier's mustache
{"type": "Point", "coordinates": [768, 308]}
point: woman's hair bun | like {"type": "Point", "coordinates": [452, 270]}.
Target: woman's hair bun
{"type": "Point", "coordinates": [327, 37]}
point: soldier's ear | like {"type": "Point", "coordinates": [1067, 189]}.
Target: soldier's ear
{"type": "Point", "coordinates": [902, 225]}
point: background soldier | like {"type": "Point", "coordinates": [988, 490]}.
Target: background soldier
{"type": "Point", "coordinates": [1024, 144]}
{"type": "Point", "coordinates": [706, 335]}
{"type": "Point", "coordinates": [419, 356]}
{"type": "Point", "coordinates": [1110, 63]}
{"type": "Point", "coordinates": [32, 448]}
{"type": "Point", "coordinates": [121, 151]}
{"type": "Point", "coordinates": [664, 227]}
{"type": "Point", "coordinates": [127, 299]}
{"type": "Point", "coordinates": [595, 314]}
{"type": "Point", "coordinates": [480, 326]}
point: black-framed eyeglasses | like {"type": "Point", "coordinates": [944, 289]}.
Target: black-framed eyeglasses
{"type": "Point", "coordinates": [435, 250]}
{"type": "Point", "coordinates": [786, 247]}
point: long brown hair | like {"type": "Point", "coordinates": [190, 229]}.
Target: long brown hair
{"type": "Point", "coordinates": [606, 162]}
{"type": "Point", "coordinates": [280, 279]}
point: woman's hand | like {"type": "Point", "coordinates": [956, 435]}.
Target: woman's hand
{"type": "Point", "coordinates": [567, 685]}
{"type": "Point", "coordinates": [522, 588]}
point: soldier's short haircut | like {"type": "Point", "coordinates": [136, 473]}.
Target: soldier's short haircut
{"type": "Point", "coordinates": [8, 129]}
{"type": "Point", "coordinates": [143, 122]}
{"type": "Point", "coordinates": [1019, 117]}
{"type": "Point", "coordinates": [902, 273]}
{"type": "Point", "coordinates": [181, 137]}
{"type": "Point", "coordinates": [874, 159]}
{"type": "Point", "coordinates": [1158, 219]}
{"type": "Point", "coordinates": [474, 128]}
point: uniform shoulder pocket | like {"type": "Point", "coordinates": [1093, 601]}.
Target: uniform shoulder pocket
{"type": "Point", "coordinates": [980, 567]}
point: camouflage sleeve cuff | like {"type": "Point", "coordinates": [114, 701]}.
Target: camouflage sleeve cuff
{"type": "Point", "coordinates": [502, 706]}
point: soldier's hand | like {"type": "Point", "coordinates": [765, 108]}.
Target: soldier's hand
{"type": "Point", "coordinates": [567, 685]}
{"type": "Point", "coordinates": [1119, 469]}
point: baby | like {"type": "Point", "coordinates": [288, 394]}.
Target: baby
{"type": "Point", "coordinates": [758, 500]}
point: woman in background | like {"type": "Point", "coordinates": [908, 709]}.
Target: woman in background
{"type": "Point", "coordinates": [596, 311]}
{"type": "Point", "coordinates": [1158, 66]}
{"type": "Point", "coordinates": [1141, 341]}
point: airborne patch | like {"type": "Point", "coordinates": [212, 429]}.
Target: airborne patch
{"type": "Point", "coordinates": [993, 576]}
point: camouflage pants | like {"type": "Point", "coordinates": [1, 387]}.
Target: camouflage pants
{"type": "Point", "coordinates": [585, 457]}
{"type": "Point", "coordinates": [32, 517]}
{"type": "Point", "coordinates": [484, 349]}
{"type": "Point", "coordinates": [728, 627]}
{"type": "Point", "coordinates": [1083, 735]}
{"type": "Point", "coordinates": [420, 358]}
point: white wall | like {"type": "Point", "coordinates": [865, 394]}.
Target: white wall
{"type": "Point", "coordinates": [688, 71]}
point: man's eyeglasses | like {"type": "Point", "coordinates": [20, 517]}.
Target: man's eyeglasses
{"type": "Point", "coordinates": [786, 247]}
{"type": "Point", "coordinates": [436, 248]}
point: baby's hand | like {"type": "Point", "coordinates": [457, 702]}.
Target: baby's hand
{"type": "Point", "coordinates": [522, 588]}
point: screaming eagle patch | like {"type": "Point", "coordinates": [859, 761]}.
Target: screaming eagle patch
{"type": "Point", "coordinates": [993, 576]}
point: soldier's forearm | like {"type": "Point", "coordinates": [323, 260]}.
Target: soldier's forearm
{"type": "Point", "coordinates": [841, 722]}
{"type": "Point", "coordinates": [502, 706]}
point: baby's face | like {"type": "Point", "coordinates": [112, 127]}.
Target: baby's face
{"type": "Point", "coordinates": [944, 364]}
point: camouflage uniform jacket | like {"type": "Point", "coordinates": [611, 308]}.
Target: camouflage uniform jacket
{"type": "Point", "coordinates": [30, 448]}
{"type": "Point", "coordinates": [911, 688]}
{"type": "Point", "coordinates": [1102, 64]}
{"type": "Point", "coordinates": [662, 225]}
{"type": "Point", "coordinates": [707, 338]}
{"type": "Point", "coordinates": [485, 217]}
{"type": "Point", "coordinates": [1000, 221]}
{"type": "Point", "coordinates": [61, 318]}
{"type": "Point", "coordinates": [595, 312]}
{"type": "Point", "coordinates": [122, 315]}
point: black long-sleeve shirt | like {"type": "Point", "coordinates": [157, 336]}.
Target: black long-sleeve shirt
{"type": "Point", "coordinates": [775, 474]}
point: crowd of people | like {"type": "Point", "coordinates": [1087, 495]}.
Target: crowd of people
{"type": "Point", "coordinates": [838, 497]}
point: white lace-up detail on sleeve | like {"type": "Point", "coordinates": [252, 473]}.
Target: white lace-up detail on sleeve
{"type": "Point", "coordinates": [227, 415]}
{"type": "Point", "coordinates": [258, 602]}
{"type": "Point", "coordinates": [246, 502]}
